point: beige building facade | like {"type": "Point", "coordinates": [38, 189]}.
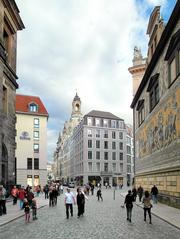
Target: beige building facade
{"type": "Point", "coordinates": [10, 23]}
{"type": "Point", "coordinates": [156, 108]}
{"type": "Point", "coordinates": [31, 141]}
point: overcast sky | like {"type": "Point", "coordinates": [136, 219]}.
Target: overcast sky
{"type": "Point", "coordinates": [85, 45]}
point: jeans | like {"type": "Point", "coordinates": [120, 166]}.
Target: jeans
{"type": "Point", "coordinates": [129, 213]}
{"type": "Point", "coordinates": [21, 202]}
{"type": "Point", "coordinates": [154, 198]}
{"type": "Point", "coordinates": [2, 207]}
{"type": "Point", "coordinates": [68, 205]}
{"type": "Point", "coordinates": [149, 213]}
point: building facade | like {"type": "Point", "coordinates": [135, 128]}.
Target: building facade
{"type": "Point", "coordinates": [156, 109]}
{"type": "Point", "coordinates": [31, 141]}
{"type": "Point", "coordinates": [10, 23]}
{"type": "Point", "coordinates": [61, 167]}
{"type": "Point", "coordinates": [100, 150]}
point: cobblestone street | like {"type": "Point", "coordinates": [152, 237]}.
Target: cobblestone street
{"type": "Point", "coordinates": [105, 220]}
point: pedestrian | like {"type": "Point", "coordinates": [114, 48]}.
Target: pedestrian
{"type": "Point", "coordinates": [46, 191]}
{"type": "Point", "coordinates": [21, 196]}
{"type": "Point", "coordinates": [129, 204]}
{"type": "Point", "coordinates": [2, 200]}
{"type": "Point", "coordinates": [147, 206]}
{"type": "Point", "coordinates": [55, 195]}
{"type": "Point", "coordinates": [99, 194]}
{"type": "Point", "coordinates": [69, 201]}
{"type": "Point", "coordinates": [34, 209]}
{"type": "Point", "coordinates": [51, 197]}
{"type": "Point", "coordinates": [80, 199]}
{"type": "Point", "coordinates": [154, 193]}
{"type": "Point", "coordinates": [30, 196]}
{"type": "Point", "coordinates": [61, 189]}
{"type": "Point", "coordinates": [92, 189]}
{"type": "Point", "coordinates": [26, 207]}
{"type": "Point", "coordinates": [140, 191]}
{"type": "Point", "coordinates": [134, 193]}
{"type": "Point", "coordinates": [14, 193]}
{"type": "Point", "coordinates": [106, 185]}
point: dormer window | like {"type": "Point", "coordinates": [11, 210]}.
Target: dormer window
{"type": "Point", "coordinates": [33, 107]}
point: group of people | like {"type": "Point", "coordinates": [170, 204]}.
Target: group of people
{"type": "Point", "coordinates": [144, 197]}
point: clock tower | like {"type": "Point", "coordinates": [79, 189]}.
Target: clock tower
{"type": "Point", "coordinates": [76, 107]}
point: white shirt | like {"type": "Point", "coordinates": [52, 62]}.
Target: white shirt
{"type": "Point", "coordinates": [69, 198]}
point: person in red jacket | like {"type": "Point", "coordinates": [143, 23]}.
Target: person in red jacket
{"type": "Point", "coordinates": [21, 196]}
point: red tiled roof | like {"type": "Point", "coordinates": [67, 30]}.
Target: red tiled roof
{"type": "Point", "coordinates": [23, 101]}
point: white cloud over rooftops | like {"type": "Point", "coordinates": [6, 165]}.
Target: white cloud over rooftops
{"type": "Point", "coordinates": [80, 44]}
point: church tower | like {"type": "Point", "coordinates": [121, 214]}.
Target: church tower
{"type": "Point", "coordinates": [138, 69]}
{"type": "Point", "coordinates": [76, 107]}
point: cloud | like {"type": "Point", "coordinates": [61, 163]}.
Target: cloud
{"type": "Point", "coordinates": [84, 45]}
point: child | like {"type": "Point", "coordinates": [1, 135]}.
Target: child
{"type": "Point", "coordinates": [26, 210]}
{"type": "Point", "coordinates": [34, 209]}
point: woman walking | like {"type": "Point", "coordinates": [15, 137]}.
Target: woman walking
{"type": "Point", "coordinates": [129, 204]}
{"type": "Point", "coordinates": [147, 206]}
{"type": "Point", "coordinates": [80, 202]}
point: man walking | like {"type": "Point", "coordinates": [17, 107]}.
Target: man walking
{"type": "Point", "coordinates": [154, 193]}
{"type": "Point", "coordinates": [69, 201]}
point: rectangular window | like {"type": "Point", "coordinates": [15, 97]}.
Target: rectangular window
{"type": "Point", "coordinates": [106, 167]}
{"type": "Point", "coordinates": [89, 121]}
{"type": "Point", "coordinates": [120, 135]}
{"type": "Point", "coordinates": [97, 133]}
{"type": "Point", "coordinates": [128, 168]}
{"type": "Point", "coordinates": [97, 122]}
{"type": "Point", "coordinates": [29, 163]}
{"type": "Point", "coordinates": [98, 167]}
{"type": "Point", "coordinates": [89, 154]}
{"type": "Point", "coordinates": [114, 167]}
{"type": "Point", "coordinates": [97, 155]}
{"type": "Point", "coordinates": [113, 155]}
{"type": "Point", "coordinates": [113, 134]}
{"type": "Point", "coordinates": [113, 145]}
{"type": "Point", "coordinates": [128, 159]}
{"type": "Point", "coordinates": [105, 123]}
{"type": "Point", "coordinates": [128, 150]}
{"type": "Point", "coordinates": [36, 123]}
{"type": "Point", "coordinates": [36, 148]}
{"type": "Point", "coordinates": [106, 155]}
{"type": "Point", "coordinates": [113, 123]}
{"type": "Point", "coordinates": [141, 114]}
{"type": "Point", "coordinates": [89, 133]}
{"type": "Point", "coordinates": [89, 166]}
{"type": "Point", "coordinates": [36, 163]}
{"type": "Point", "coordinates": [36, 134]}
{"type": "Point", "coordinates": [120, 156]}
{"type": "Point", "coordinates": [105, 144]}
{"type": "Point", "coordinates": [97, 144]}
{"type": "Point", "coordinates": [121, 124]}
{"type": "Point", "coordinates": [121, 145]}
{"type": "Point", "coordinates": [154, 96]}
{"type": "Point", "coordinates": [89, 143]}
{"type": "Point", "coordinates": [121, 167]}
{"type": "Point", "coordinates": [105, 134]}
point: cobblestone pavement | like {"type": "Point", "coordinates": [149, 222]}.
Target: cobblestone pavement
{"type": "Point", "coordinates": [102, 220]}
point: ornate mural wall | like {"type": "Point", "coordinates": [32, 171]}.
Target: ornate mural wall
{"type": "Point", "coordinates": [162, 129]}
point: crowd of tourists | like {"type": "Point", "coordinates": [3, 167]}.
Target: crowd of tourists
{"type": "Point", "coordinates": [27, 201]}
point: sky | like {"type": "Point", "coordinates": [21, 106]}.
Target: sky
{"type": "Point", "coordinates": [83, 45]}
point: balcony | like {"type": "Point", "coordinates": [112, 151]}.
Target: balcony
{"type": "Point", "coordinates": [106, 173]}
